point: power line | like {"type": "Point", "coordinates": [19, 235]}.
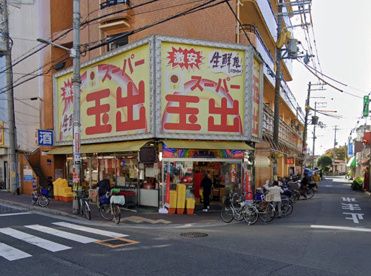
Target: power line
{"type": "Point", "coordinates": [321, 79]}
{"type": "Point", "coordinates": [42, 46]}
{"type": "Point", "coordinates": [106, 41]}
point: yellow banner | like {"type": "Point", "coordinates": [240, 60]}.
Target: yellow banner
{"type": "Point", "coordinates": [115, 97]}
{"type": "Point", "coordinates": [202, 90]}
{"type": "Point", "coordinates": [2, 142]}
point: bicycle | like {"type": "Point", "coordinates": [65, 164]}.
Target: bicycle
{"type": "Point", "coordinates": [235, 207]}
{"type": "Point", "coordinates": [84, 207]}
{"type": "Point", "coordinates": [42, 198]}
{"type": "Point", "coordinates": [110, 205]}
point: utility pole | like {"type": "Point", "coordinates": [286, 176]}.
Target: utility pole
{"type": "Point", "coordinates": [276, 118]}
{"type": "Point", "coordinates": [13, 163]}
{"type": "Point", "coordinates": [335, 143]}
{"type": "Point", "coordinates": [305, 132]}
{"type": "Point", "coordinates": [76, 82]}
{"type": "Point", "coordinates": [314, 136]}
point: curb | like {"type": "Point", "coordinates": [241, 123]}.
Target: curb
{"type": "Point", "coordinates": [30, 207]}
{"type": "Point", "coordinates": [49, 211]}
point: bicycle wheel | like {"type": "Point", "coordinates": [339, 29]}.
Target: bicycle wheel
{"type": "Point", "coordinates": [250, 214]}
{"type": "Point", "coordinates": [267, 214]}
{"type": "Point", "coordinates": [287, 209]}
{"type": "Point", "coordinates": [116, 212]}
{"type": "Point", "coordinates": [105, 211]}
{"type": "Point", "coordinates": [86, 208]}
{"type": "Point", "coordinates": [42, 201]}
{"type": "Point", "coordinates": [227, 214]}
{"type": "Point", "coordinates": [310, 193]}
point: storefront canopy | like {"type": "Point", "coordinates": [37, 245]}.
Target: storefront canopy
{"type": "Point", "coordinates": [187, 144]}
{"type": "Point", "coordinates": [352, 163]}
{"type": "Point", "coordinates": [103, 148]}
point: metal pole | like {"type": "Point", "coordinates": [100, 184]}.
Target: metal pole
{"type": "Point", "coordinates": [314, 135]}
{"type": "Point", "coordinates": [307, 102]}
{"type": "Point", "coordinates": [276, 122]}
{"type": "Point", "coordinates": [13, 163]}
{"type": "Point", "coordinates": [76, 81]}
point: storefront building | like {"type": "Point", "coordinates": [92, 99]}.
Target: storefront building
{"type": "Point", "coordinates": [163, 111]}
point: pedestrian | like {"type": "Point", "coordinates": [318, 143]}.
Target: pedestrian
{"type": "Point", "coordinates": [304, 185]}
{"type": "Point", "coordinates": [274, 195]}
{"type": "Point", "coordinates": [206, 184]}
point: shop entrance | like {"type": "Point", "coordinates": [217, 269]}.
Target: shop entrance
{"type": "Point", "coordinates": [225, 175]}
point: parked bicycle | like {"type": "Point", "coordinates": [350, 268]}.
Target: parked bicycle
{"type": "Point", "coordinates": [40, 198]}
{"type": "Point", "coordinates": [83, 201]}
{"type": "Point", "coordinates": [110, 205]}
{"type": "Point", "coordinates": [236, 208]}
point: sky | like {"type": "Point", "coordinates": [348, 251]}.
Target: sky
{"type": "Point", "coordinates": [343, 37]}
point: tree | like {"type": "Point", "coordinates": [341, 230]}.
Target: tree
{"type": "Point", "coordinates": [324, 162]}
{"type": "Point", "coordinates": [340, 153]}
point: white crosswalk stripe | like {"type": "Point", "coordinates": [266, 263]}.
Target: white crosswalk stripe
{"type": "Point", "coordinates": [90, 230]}
{"type": "Point", "coordinates": [11, 253]}
{"type": "Point", "coordinates": [45, 244]}
{"type": "Point", "coordinates": [61, 234]}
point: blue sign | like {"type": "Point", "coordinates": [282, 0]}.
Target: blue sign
{"type": "Point", "coordinates": [45, 137]}
{"type": "Point", "coordinates": [350, 149]}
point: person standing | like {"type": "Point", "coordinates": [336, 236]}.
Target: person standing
{"type": "Point", "coordinates": [206, 184]}
{"type": "Point", "coordinates": [274, 195]}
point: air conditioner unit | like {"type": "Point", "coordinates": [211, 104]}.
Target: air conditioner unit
{"type": "Point", "coordinates": [2, 47]}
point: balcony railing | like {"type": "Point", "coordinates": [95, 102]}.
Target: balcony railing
{"type": "Point", "coordinates": [286, 93]}
{"type": "Point", "coordinates": [269, 17]}
{"type": "Point", "coordinates": [113, 10]}
{"type": "Point", "coordinates": [110, 3]}
{"type": "Point", "coordinates": [290, 136]}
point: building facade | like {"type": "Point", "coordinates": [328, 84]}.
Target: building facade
{"type": "Point", "coordinates": [23, 29]}
{"type": "Point", "coordinates": [109, 25]}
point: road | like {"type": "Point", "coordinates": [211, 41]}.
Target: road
{"type": "Point", "coordinates": [327, 235]}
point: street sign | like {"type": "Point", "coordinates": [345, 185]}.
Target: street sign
{"type": "Point", "coordinates": [45, 137]}
{"type": "Point", "coordinates": [366, 101]}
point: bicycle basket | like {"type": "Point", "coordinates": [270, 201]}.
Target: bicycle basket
{"type": "Point", "coordinates": [44, 192]}
{"type": "Point", "coordinates": [103, 200]}
{"type": "Point", "coordinates": [118, 199]}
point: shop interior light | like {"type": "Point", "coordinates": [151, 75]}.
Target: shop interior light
{"type": "Point", "coordinates": [160, 156]}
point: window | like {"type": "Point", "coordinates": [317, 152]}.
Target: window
{"type": "Point", "coordinates": [116, 43]}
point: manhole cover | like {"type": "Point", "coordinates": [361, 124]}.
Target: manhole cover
{"type": "Point", "coordinates": [194, 235]}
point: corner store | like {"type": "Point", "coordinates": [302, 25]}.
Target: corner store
{"type": "Point", "coordinates": [162, 89]}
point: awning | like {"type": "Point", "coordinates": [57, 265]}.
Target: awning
{"type": "Point", "coordinates": [103, 148]}
{"type": "Point", "coordinates": [61, 150]}
{"type": "Point", "coordinates": [188, 144]}
{"type": "Point", "coordinates": [352, 163]}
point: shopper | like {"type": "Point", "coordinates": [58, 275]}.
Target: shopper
{"type": "Point", "coordinates": [274, 195]}
{"type": "Point", "coordinates": [206, 184]}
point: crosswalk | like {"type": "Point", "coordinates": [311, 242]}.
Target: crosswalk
{"type": "Point", "coordinates": [57, 229]}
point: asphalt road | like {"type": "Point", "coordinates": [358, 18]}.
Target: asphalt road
{"type": "Point", "coordinates": [327, 235]}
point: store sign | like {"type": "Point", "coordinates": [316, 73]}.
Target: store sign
{"type": "Point", "coordinates": [44, 137]}
{"type": "Point", "coordinates": [114, 100]}
{"type": "Point", "coordinates": [2, 142]}
{"type": "Point", "coordinates": [290, 161]}
{"type": "Point", "coordinates": [202, 90]}
{"type": "Point", "coordinates": [257, 104]}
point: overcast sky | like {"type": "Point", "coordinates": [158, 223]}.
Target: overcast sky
{"type": "Point", "coordinates": [342, 30]}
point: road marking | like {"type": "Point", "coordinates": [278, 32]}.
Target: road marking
{"type": "Point", "coordinates": [90, 230]}
{"type": "Point", "coordinates": [328, 186]}
{"type": "Point", "coordinates": [61, 234]}
{"type": "Point", "coordinates": [329, 227]}
{"type": "Point", "coordinates": [137, 219]}
{"type": "Point", "coordinates": [45, 244]}
{"type": "Point", "coordinates": [11, 253]}
{"type": "Point", "coordinates": [15, 214]}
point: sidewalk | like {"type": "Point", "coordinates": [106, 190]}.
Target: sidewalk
{"type": "Point", "coordinates": [142, 216]}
